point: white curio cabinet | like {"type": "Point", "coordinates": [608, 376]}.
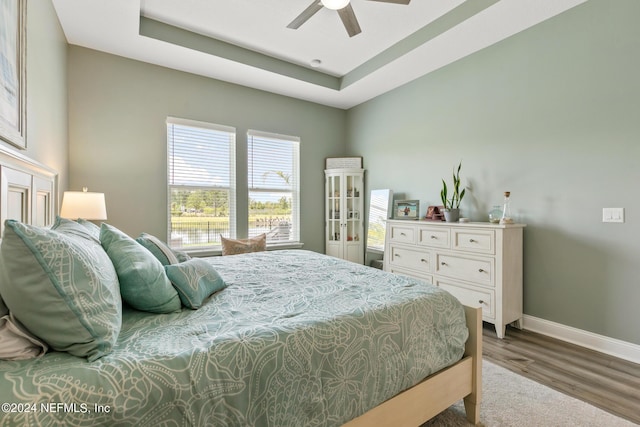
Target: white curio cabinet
{"type": "Point", "coordinates": [344, 194]}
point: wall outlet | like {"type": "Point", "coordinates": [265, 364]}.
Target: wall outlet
{"type": "Point", "coordinates": [612, 214]}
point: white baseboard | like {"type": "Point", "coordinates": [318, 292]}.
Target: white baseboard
{"type": "Point", "coordinates": [614, 347]}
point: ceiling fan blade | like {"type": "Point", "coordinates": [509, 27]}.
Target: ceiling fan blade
{"type": "Point", "coordinates": [394, 1]}
{"type": "Point", "coordinates": [305, 15]}
{"type": "Point", "coordinates": [349, 20]}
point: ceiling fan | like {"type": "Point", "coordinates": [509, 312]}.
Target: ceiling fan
{"type": "Point", "coordinates": [344, 9]}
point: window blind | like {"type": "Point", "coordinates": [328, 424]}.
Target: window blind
{"type": "Point", "coordinates": [273, 182]}
{"type": "Point", "coordinates": [200, 154]}
{"type": "Point", "coordinates": [201, 181]}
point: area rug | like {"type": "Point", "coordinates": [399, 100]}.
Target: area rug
{"type": "Point", "coordinates": [511, 400]}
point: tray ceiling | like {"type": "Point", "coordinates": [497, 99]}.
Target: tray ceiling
{"type": "Point", "coordinates": [247, 42]}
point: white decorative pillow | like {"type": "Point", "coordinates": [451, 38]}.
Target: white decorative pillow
{"type": "Point", "coordinates": [244, 246]}
{"type": "Point", "coordinates": [16, 343]}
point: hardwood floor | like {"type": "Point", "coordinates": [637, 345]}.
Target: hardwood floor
{"type": "Point", "coordinates": [604, 381]}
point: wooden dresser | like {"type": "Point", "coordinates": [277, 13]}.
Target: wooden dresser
{"type": "Point", "coordinates": [478, 262]}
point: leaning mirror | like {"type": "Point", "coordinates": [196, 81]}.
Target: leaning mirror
{"type": "Point", "coordinates": [379, 211]}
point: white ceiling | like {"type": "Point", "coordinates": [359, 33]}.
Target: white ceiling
{"type": "Point", "coordinates": [247, 42]}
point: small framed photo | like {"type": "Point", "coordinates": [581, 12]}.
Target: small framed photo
{"type": "Point", "coordinates": [406, 209]}
{"type": "Point", "coordinates": [435, 213]}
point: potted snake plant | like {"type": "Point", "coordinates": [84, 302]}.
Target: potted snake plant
{"type": "Point", "coordinates": [452, 205]}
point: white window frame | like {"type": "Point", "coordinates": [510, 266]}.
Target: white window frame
{"type": "Point", "coordinates": [295, 190]}
{"type": "Point", "coordinates": [232, 188]}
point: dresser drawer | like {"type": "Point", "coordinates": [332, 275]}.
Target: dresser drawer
{"type": "Point", "coordinates": [477, 270]}
{"type": "Point", "coordinates": [402, 233]}
{"type": "Point", "coordinates": [411, 258]}
{"type": "Point", "coordinates": [435, 237]}
{"type": "Point", "coordinates": [471, 296]}
{"type": "Point", "coordinates": [412, 273]}
{"type": "Point", "coordinates": [481, 241]}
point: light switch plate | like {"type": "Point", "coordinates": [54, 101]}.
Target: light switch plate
{"type": "Point", "coordinates": [612, 214]}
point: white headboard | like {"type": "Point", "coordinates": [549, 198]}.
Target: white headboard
{"type": "Point", "coordinates": [28, 189]}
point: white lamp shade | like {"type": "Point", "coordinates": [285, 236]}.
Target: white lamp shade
{"type": "Point", "coordinates": [334, 4]}
{"type": "Point", "coordinates": [83, 204]}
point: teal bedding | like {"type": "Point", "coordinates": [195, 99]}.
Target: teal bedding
{"type": "Point", "coordinates": [296, 339]}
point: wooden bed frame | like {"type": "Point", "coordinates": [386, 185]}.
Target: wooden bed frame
{"type": "Point", "coordinates": [420, 403]}
{"type": "Point", "coordinates": [29, 193]}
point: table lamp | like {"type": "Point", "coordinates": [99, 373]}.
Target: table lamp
{"type": "Point", "coordinates": [83, 204]}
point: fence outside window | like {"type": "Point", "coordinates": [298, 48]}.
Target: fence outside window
{"type": "Point", "coordinates": [206, 232]}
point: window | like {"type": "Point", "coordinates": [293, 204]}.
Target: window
{"type": "Point", "coordinates": [273, 180]}
{"type": "Point", "coordinates": [202, 184]}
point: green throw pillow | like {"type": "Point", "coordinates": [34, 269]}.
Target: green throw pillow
{"type": "Point", "coordinates": [92, 228]}
{"type": "Point", "coordinates": [69, 227]}
{"type": "Point", "coordinates": [182, 256]}
{"type": "Point", "coordinates": [61, 285]}
{"type": "Point", "coordinates": [158, 248]}
{"type": "Point", "coordinates": [194, 280]}
{"type": "Point", "coordinates": [143, 282]}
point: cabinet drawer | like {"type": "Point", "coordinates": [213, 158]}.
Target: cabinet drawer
{"type": "Point", "coordinates": [402, 233]}
{"type": "Point", "coordinates": [411, 273]}
{"type": "Point", "coordinates": [476, 270]}
{"type": "Point", "coordinates": [410, 258]}
{"type": "Point", "coordinates": [471, 296]}
{"type": "Point", "coordinates": [482, 241]}
{"type": "Point", "coordinates": [434, 237]}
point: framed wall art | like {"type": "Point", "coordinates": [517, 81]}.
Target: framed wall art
{"type": "Point", "coordinates": [13, 82]}
{"type": "Point", "coordinates": [406, 209]}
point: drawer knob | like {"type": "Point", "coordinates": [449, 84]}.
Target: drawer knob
{"type": "Point", "coordinates": [443, 263]}
{"type": "Point", "coordinates": [480, 270]}
{"type": "Point", "coordinates": [423, 260]}
{"type": "Point", "coordinates": [481, 302]}
{"type": "Point", "coordinates": [402, 234]}
{"type": "Point", "coordinates": [434, 237]}
{"type": "Point", "coordinates": [472, 240]}
{"type": "Point", "coordinates": [396, 255]}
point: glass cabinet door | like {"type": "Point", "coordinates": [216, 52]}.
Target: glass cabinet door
{"type": "Point", "coordinates": [333, 207]}
{"type": "Point", "coordinates": [353, 208]}
{"type": "Point", "coordinates": [344, 193]}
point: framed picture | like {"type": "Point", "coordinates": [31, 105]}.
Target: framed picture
{"type": "Point", "coordinates": [435, 213]}
{"type": "Point", "coordinates": [406, 209]}
{"type": "Point", "coordinates": [13, 83]}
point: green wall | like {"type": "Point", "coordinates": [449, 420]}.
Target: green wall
{"type": "Point", "coordinates": [117, 113]}
{"type": "Point", "coordinates": [553, 115]}
{"type": "Point", "coordinates": [47, 131]}
{"type": "Point", "coordinates": [550, 114]}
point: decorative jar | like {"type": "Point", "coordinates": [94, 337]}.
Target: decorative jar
{"type": "Point", "coordinates": [495, 214]}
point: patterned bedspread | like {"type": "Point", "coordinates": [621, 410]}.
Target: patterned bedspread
{"type": "Point", "coordinates": [296, 339]}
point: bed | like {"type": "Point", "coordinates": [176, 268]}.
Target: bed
{"type": "Point", "coordinates": [295, 338]}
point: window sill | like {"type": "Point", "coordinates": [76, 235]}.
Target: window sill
{"type": "Point", "coordinates": [217, 251]}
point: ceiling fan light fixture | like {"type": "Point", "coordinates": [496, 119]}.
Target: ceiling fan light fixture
{"type": "Point", "coordinates": [345, 12]}
{"type": "Point", "coordinates": [334, 4]}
